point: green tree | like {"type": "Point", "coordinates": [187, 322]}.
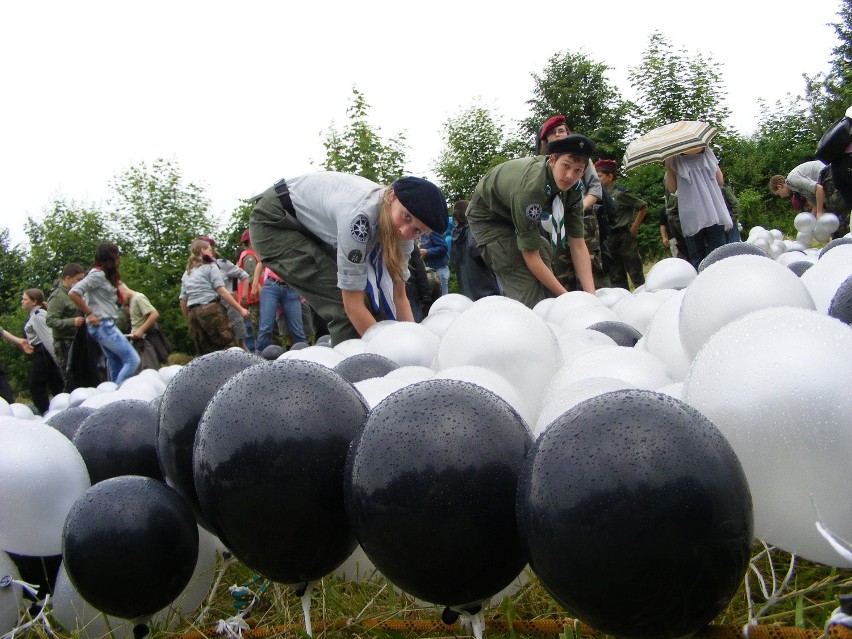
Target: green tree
{"type": "Point", "coordinates": [157, 214]}
{"type": "Point", "coordinates": [360, 150]}
{"type": "Point", "coordinates": [14, 275]}
{"type": "Point", "coordinates": [676, 85]}
{"type": "Point", "coordinates": [68, 232]}
{"type": "Point", "coordinates": [474, 141]}
{"type": "Point", "coordinates": [830, 94]}
{"type": "Point", "coordinates": [577, 87]}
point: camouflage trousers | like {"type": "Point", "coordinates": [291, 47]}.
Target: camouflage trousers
{"type": "Point", "coordinates": [676, 232]}
{"type": "Point", "coordinates": [625, 259]}
{"type": "Point", "coordinates": [835, 203]}
{"type": "Point", "coordinates": [563, 266]}
{"type": "Point", "coordinates": [210, 328]}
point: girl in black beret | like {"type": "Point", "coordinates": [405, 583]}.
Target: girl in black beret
{"type": "Point", "coordinates": [343, 242]}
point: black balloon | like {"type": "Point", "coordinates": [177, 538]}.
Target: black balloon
{"type": "Point", "coordinates": [324, 340]}
{"type": "Point", "coordinates": [637, 490]}
{"type": "Point", "coordinates": [799, 266]}
{"type": "Point", "coordinates": [269, 459]}
{"type": "Point", "coordinates": [357, 368]}
{"type": "Point", "coordinates": [430, 488]}
{"type": "Point", "coordinates": [120, 438]}
{"type": "Point", "coordinates": [622, 333]}
{"type": "Point", "coordinates": [68, 420]}
{"type": "Point", "coordinates": [273, 351]}
{"type": "Point", "coordinates": [184, 400]}
{"type": "Point", "coordinates": [130, 545]}
{"type": "Point", "coordinates": [730, 250]}
{"type": "Point", "coordinates": [834, 243]}
{"type": "Point", "coordinates": [841, 304]}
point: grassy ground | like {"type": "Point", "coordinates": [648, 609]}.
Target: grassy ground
{"type": "Point", "coordinates": [375, 610]}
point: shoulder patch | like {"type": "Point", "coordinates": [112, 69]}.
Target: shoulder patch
{"type": "Point", "coordinates": [355, 256]}
{"type": "Point", "coordinates": [359, 229]}
{"type": "Point", "coordinates": [533, 211]}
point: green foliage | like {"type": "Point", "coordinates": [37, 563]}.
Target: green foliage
{"type": "Point", "coordinates": [68, 232]}
{"type": "Point", "coordinates": [359, 149]}
{"type": "Point", "coordinates": [830, 94]}
{"type": "Point", "coordinates": [576, 87]}
{"type": "Point", "coordinates": [474, 142]}
{"type": "Point", "coordinates": [157, 214]}
{"type": "Point", "coordinates": [13, 274]}
{"type": "Point", "coordinates": [15, 362]}
{"type": "Point", "coordinates": [674, 85]}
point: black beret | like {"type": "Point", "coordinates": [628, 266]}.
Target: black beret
{"type": "Point", "coordinates": [574, 144]}
{"type": "Point", "coordinates": [424, 201]}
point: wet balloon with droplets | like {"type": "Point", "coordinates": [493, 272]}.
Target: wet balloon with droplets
{"type": "Point", "coordinates": [430, 489]}
{"type": "Point", "coordinates": [130, 545]}
{"type": "Point", "coordinates": [361, 366]}
{"type": "Point", "coordinates": [270, 479]}
{"type": "Point", "coordinates": [120, 439]}
{"type": "Point", "coordinates": [637, 489]}
{"type": "Point", "coordinates": [622, 334]}
{"type": "Point", "coordinates": [68, 420]}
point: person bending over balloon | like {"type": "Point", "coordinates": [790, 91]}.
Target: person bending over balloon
{"type": "Point", "coordinates": [343, 241]}
{"type": "Point", "coordinates": [516, 201]}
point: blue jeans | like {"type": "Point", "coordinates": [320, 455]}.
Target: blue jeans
{"type": "Point", "coordinates": [273, 294]}
{"type": "Point", "coordinates": [702, 243]}
{"type": "Point", "coordinates": [122, 359]}
{"type": "Point", "coordinates": [444, 275]}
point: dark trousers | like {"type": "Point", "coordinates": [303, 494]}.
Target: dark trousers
{"type": "Point", "coordinates": [45, 379]}
{"type": "Point", "coordinates": [702, 243]}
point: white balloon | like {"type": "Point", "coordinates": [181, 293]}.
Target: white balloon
{"type": "Point", "coordinates": [21, 411]}
{"type": "Point", "coordinates": [671, 272]}
{"type": "Point", "coordinates": [821, 233]}
{"type": "Point", "coordinates": [5, 409]}
{"type": "Point", "coordinates": [506, 337]}
{"type": "Point", "coordinates": [828, 222]}
{"type": "Point", "coordinates": [638, 309]}
{"type": "Point", "coordinates": [106, 387]}
{"type": "Point", "coordinates": [60, 401]}
{"type": "Point", "coordinates": [609, 296]}
{"type": "Point", "coordinates": [328, 357]}
{"type": "Point", "coordinates": [11, 596]}
{"type": "Point", "coordinates": [762, 243]}
{"type": "Point", "coordinates": [357, 568]}
{"type": "Point", "coordinates": [583, 317]}
{"type": "Point", "coordinates": [411, 374]}
{"type": "Point", "coordinates": [196, 591]}
{"type": "Point", "coordinates": [406, 343]}
{"type": "Point", "coordinates": [572, 343]}
{"type": "Point", "coordinates": [376, 328]}
{"type": "Point", "coordinates": [729, 289]}
{"type": "Point", "coordinates": [79, 395]}
{"type": "Point", "coordinates": [805, 238]}
{"type": "Point", "coordinates": [805, 222]}
{"type": "Point", "coordinates": [777, 235]}
{"type": "Point", "coordinates": [350, 347]}
{"type": "Point", "coordinates": [438, 322]}
{"type": "Point", "coordinates": [375, 389]}
{"type": "Point", "coordinates": [775, 383]}
{"type": "Point", "coordinates": [452, 302]}
{"type": "Point", "coordinates": [565, 305]}
{"type": "Point", "coordinates": [663, 338]}
{"type": "Point", "coordinates": [42, 475]}
{"type": "Point", "coordinates": [166, 373]}
{"type": "Point", "coordinates": [675, 389]}
{"type": "Point", "coordinates": [827, 274]}
{"type": "Point", "coordinates": [634, 366]}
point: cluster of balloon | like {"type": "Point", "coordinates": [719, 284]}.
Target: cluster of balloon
{"type": "Point", "coordinates": [39, 572]}
{"type": "Point", "coordinates": [183, 402]}
{"type": "Point", "coordinates": [120, 439]}
{"type": "Point", "coordinates": [270, 480]}
{"type": "Point", "coordinates": [636, 488]}
{"type": "Point", "coordinates": [730, 250]}
{"type": "Point", "coordinates": [430, 489]}
{"type": "Point", "coordinates": [825, 277]}
{"type": "Point", "coordinates": [130, 545]}
{"type": "Point", "coordinates": [42, 475]}
{"type": "Point", "coordinates": [775, 382]}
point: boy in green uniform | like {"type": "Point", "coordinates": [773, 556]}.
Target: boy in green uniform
{"type": "Point", "coordinates": [623, 246]}
{"type": "Point", "coordinates": [511, 204]}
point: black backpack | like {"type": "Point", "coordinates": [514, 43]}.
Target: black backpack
{"type": "Point", "coordinates": [834, 142]}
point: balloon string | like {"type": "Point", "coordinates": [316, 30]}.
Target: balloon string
{"type": "Point", "coordinates": [41, 618]}
{"type": "Point", "coordinates": [226, 562]}
{"type": "Point", "coordinates": [306, 607]}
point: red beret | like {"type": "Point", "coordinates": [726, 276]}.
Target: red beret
{"type": "Point", "coordinates": [551, 124]}
{"type": "Point", "coordinates": [245, 237]}
{"type": "Point", "coordinates": [209, 240]}
{"type": "Point", "coordinates": [608, 166]}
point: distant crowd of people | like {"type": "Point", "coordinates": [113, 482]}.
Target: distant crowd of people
{"type": "Point", "coordinates": [331, 254]}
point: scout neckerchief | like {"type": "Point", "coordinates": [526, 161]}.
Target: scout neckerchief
{"type": "Point", "coordinates": [380, 284]}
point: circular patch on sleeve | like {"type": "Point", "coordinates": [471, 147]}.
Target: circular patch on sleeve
{"type": "Point", "coordinates": [533, 211]}
{"type": "Point", "coordinates": [355, 256]}
{"type": "Point", "coordinates": [360, 228]}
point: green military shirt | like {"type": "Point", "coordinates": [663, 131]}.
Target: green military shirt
{"type": "Point", "coordinates": [61, 313]}
{"type": "Point", "coordinates": [626, 205]}
{"type": "Point", "coordinates": [520, 193]}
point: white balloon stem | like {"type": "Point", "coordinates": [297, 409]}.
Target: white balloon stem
{"type": "Point", "coordinates": [306, 608]}
{"type": "Point", "coordinates": [476, 622]}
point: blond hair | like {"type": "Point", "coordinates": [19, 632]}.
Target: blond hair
{"type": "Point", "coordinates": [395, 261]}
{"type": "Point", "coordinates": [195, 249]}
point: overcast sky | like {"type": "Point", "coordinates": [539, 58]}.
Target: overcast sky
{"type": "Point", "coordinates": [239, 93]}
